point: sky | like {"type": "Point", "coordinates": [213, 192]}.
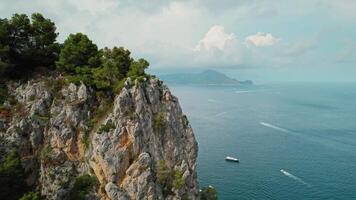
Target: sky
{"type": "Point", "coordinates": [262, 40]}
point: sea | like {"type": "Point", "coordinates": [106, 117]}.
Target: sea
{"type": "Point", "coordinates": [293, 140]}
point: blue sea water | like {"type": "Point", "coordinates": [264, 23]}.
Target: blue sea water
{"type": "Point", "coordinates": [294, 141]}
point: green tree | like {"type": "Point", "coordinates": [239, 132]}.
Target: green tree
{"type": "Point", "coordinates": [77, 51]}
{"type": "Point", "coordinates": [44, 47]}
{"type": "Point", "coordinates": [117, 57]}
{"type": "Point", "coordinates": [106, 76]}
{"type": "Point", "coordinates": [5, 63]}
{"type": "Point", "coordinates": [19, 40]}
{"type": "Point", "coordinates": [26, 44]}
{"type": "Point", "coordinates": [137, 68]}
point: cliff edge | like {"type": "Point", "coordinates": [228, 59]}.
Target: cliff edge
{"type": "Point", "coordinates": [78, 143]}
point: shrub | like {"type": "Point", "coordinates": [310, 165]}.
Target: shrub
{"type": "Point", "coordinates": [178, 181]}
{"type": "Point", "coordinates": [164, 177]}
{"type": "Point", "coordinates": [82, 186]}
{"type": "Point", "coordinates": [130, 112]}
{"type": "Point", "coordinates": [159, 122]}
{"type": "Point", "coordinates": [12, 177]}
{"type": "Point", "coordinates": [41, 118]}
{"type": "Point", "coordinates": [106, 127]}
{"type": "Point", "coordinates": [55, 86]}
{"type": "Point", "coordinates": [31, 196]}
{"type": "Point", "coordinates": [185, 121]}
{"type": "Point", "coordinates": [32, 97]}
{"type": "Point", "coordinates": [85, 138]}
{"type": "Point", "coordinates": [119, 86]}
{"type": "Point", "coordinates": [3, 93]}
{"type": "Point", "coordinates": [46, 153]}
{"type": "Point", "coordinates": [208, 193]}
{"type": "Point", "coordinates": [137, 68]}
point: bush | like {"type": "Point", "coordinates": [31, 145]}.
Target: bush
{"type": "Point", "coordinates": [164, 177]}
{"type": "Point", "coordinates": [82, 186]}
{"type": "Point", "coordinates": [129, 112]}
{"type": "Point", "coordinates": [42, 119]}
{"type": "Point", "coordinates": [119, 86]}
{"type": "Point", "coordinates": [55, 86]}
{"type": "Point", "coordinates": [12, 177]}
{"type": "Point", "coordinates": [85, 138]}
{"type": "Point", "coordinates": [137, 68]}
{"type": "Point", "coordinates": [208, 193]}
{"type": "Point", "coordinates": [3, 93]}
{"type": "Point", "coordinates": [178, 181]}
{"type": "Point", "coordinates": [185, 121]}
{"type": "Point", "coordinates": [106, 127]}
{"type": "Point", "coordinates": [46, 153]}
{"type": "Point", "coordinates": [31, 196]}
{"type": "Point", "coordinates": [159, 122]}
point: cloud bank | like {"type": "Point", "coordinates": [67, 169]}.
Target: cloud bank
{"type": "Point", "coordinates": [229, 34]}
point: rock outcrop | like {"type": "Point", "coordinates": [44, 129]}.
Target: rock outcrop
{"type": "Point", "coordinates": [137, 144]}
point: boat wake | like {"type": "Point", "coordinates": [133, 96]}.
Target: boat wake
{"type": "Point", "coordinates": [243, 91]}
{"type": "Point", "coordinates": [220, 114]}
{"type": "Point", "coordinates": [294, 177]}
{"type": "Point", "coordinates": [275, 127]}
{"type": "Point", "coordinates": [212, 101]}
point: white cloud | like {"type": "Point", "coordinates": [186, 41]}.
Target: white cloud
{"type": "Point", "coordinates": [94, 6]}
{"type": "Point", "coordinates": [215, 38]}
{"type": "Point", "coordinates": [262, 39]}
{"type": "Point", "coordinates": [301, 47]}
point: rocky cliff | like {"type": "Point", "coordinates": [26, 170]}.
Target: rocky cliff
{"type": "Point", "coordinates": [134, 145]}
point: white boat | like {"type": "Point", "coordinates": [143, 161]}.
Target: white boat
{"type": "Point", "coordinates": [229, 158]}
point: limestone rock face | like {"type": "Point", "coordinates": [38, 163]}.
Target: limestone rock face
{"type": "Point", "coordinates": [125, 143]}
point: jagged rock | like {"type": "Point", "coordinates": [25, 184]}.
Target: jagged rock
{"type": "Point", "coordinates": [143, 127]}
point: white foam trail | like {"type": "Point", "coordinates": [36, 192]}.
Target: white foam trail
{"type": "Point", "coordinates": [274, 127]}
{"type": "Point", "coordinates": [219, 114]}
{"type": "Point", "coordinates": [243, 91]}
{"type": "Point", "coordinates": [294, 177]}
{"type": "Point", "coordinates": [212, 100]}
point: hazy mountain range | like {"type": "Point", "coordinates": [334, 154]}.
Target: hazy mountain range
{"type": "Point", "coordinates": [208, 77]}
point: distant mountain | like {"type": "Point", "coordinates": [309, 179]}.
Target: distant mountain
{"type": "Point", "coordinates": [208, 77]}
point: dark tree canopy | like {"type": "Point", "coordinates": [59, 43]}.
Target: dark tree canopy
{"type": "Point", "coordinates": [12, 177]}
{"type": "Point", "coordinates": [26, 44]}
{"type": "Point", "coordinates": [137, 68]}
{"type": "Point", "coordinates": [45, 48]}
{"type": "Point", "coordinates": [77, 51]}
{"type": "Point", "coordinates": [119, 58]}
